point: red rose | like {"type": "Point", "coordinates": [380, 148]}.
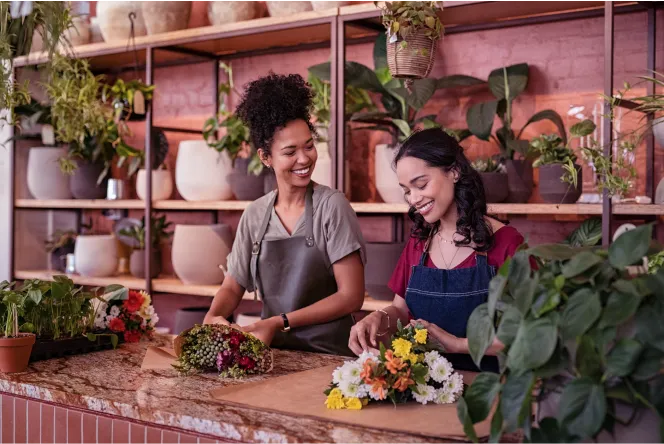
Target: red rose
{"type": "Point", "coordinates": [132, 336]}
{"type": "Point", "coordinates": [247, 363]}
{"type": "Point", "coordinates": [133, 302]}
{"type": "Point", "coordinates": [116, 325]}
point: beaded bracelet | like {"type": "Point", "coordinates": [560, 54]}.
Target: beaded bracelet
{"type": "Point", "coordinates": [388, 323]}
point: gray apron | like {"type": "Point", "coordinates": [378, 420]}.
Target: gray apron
{"type": "Point", "coordinates": [291, 274]}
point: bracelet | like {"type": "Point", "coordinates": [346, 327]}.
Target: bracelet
{"type": "Point", "coordinates": [388, 323]}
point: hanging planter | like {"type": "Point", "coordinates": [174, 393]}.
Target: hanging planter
{"type": "Point", "coordinates": [165, 16]}
{"type": "Point", "coordinates": [413, 31]}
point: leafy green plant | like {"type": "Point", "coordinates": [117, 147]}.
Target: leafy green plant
{"type": "Point", "coordinates": [158, 233]}
{"type": "Point", "coordinates": [655, 262]}
{"type": "Point", "coordinates": [579, 326]}
{"type": "Point", "coordinates": [13, 302]}
{"type": "Point", "coordinates": [404, 18]}
{"type": "Point", "coordinates": [121, 94]}
{"type": "Point", "coordinates": [588, 234]}
{"type": "Point", "coordinates": [615, 174]}
{"type": "Point", "coordinates": [61, 239]}
{"type": "Point", "coordinates": [488, 165]}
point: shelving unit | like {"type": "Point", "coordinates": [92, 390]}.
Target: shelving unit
{"type": "Point", "coordinates": [336, 29]}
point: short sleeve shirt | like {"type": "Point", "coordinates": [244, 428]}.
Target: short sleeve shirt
{"type": "Point", "coordinates": [336, 231]}
{"type": "Point", "coordinates": [506, 240]}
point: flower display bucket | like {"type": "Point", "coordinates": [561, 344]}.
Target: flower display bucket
{"type": "Point", "coordinates": [44, 177]}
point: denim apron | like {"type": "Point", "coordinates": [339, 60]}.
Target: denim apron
{"type": "Point", "coordinates": [448, 297]}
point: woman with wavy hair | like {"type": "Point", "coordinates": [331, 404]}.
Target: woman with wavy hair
{"type": "Point", "coordinates": [452, 254]}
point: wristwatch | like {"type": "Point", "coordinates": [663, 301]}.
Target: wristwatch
{"type": "Point", "coordinates": [286, 324]}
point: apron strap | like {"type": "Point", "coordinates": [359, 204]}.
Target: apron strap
{"type": "Point", "coordinates": [309, 215]}
{"type": "Point", "coordinates": [256, 245]}
{"type": "Point", "coordinates": [425, 252]}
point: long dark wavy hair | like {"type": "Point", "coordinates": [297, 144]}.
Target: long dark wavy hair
{"type": "Point", "coordinates": [440, 150]}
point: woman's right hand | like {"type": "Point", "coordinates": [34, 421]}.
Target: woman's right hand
{"type": "Point", "coordinates": [363, 334]}
{"type": "Point", "coordinates": [209, 319]}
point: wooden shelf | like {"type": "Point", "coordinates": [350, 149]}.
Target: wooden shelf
{"type": "Point", "coordinates": [96, 204]}
{"type": "Point", "coordinates": [47, 275]}
{"type": "Point", "coordinates": [219, 205]}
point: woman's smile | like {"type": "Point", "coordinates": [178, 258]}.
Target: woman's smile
{"type": "Point", "coordinates": [303, 172]}
{"type": "Point", "coordinates": [426, 208]}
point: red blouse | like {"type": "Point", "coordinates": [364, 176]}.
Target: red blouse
{"type": "Point", "coordinates": [506, 240]}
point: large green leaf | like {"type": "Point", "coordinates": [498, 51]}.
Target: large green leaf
{"type": "Point", "coordinates": [622, 357]}
{"type": "Point", "coordinates": [582, 310]}
{"type": "Point", "coordinates": [588, 234]}
{"type": "Point", "coordinates": [496, 289]}
{"type": "Point", "coordinates": [515, 399]}
{"type": "Point", "coordinates": [496, 425]}
{"type": "Point", "coordinates": [480, 332]}
{"type": "Point", "coordinates": [553, 252]}
{"type": "Point", "coordinates": [115, 291]}
{"type": "Point", "coordinates": [534, 344]}
{"type": "Point", "coordinates": [548, 432]}
{"type": "Point", "coordinates": [550, 115]}
{"type": "Point", "coordinates": [481, 395]}
{"type": "Point", "coordinates": [619, 308]}
{"type": "Point", "coordinates": [35, 295]}
{"type": "Point", "coordinates": [322, 71]}
{"type": "Point", "coordinates": [420, 92]}
{"type": "Point", "coordinates": [582, 408]}
{"type": "Point", "coordinates": [480, 118]}
{"type": "Point", "coordinates": [649, 325]}
{"type": "Point", "coordinates": [649, 364]}
{"type": "Point", "coordinates": [458, 80]}
{"type": "Point", "coordinates": [403, 126]}
{"type": "Point", "coordinates": [588, 359]}
{"type": "Point", "coordinates": [509, 325]}
{"type": "Point", "coordinates": [630, 247]}
{"type": "Point", "coordinates": [580, 263]}
{"type": "Point", "coordinates": [360, 76]}
{"type": "Point", "coordinates": [547, 300]}
{"type": "Point", "coordinates": [516, 78]}
{"type": "Point", "coordinates": [583, 128]}
{"type": "Point", "coordinates": [558, 363]}
{"type": "Point", "coordinates": [464, 418]}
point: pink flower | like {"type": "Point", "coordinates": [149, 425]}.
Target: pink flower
{"type": "Point", "coordinates": [224, 359]}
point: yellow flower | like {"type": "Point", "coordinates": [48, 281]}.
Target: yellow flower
{"type": "Point", "coordinates": [414, 358]}
{"type": "Point", "coordinates": [335, 400]}
{"type": "Point", "coordinates": [147, 300]}
{"type": "Point", "coordinates": [421, 336]}
{"type": "Point", "coordinates": [353, 403]}
{"type": "Point", "coordinates": [365, 401]}
{"type": "Point", "coordinates": [401, 347]}
{"type": "Point", "coordinates": [336, 393]}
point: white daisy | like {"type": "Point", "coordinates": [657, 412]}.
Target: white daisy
{"type": "Point", "coordinates": [351, 372]}
{"type": "Point", "coordinates": [366, 356]}
{"type": "Point", "coordinates": [337, 375]}
{"type": "Point", "coordinates": [443, 396]}
{"type": "Point", "coordinates": [431, 357]}
{"type": "Point", "coordinates": [454, 384]}
{"type": "Point", "coordinates": [154, 319]}
{"type": "Point", "coordinates": [115, 311]}
{"type": "Point", "coordinates": [424, 394]}
{"type": "Point", "coordinates": [100, 320]}
{"type": "Point", "coordinates": [353, 390]}
{"type": "Point", "coordinates": [441, 370]}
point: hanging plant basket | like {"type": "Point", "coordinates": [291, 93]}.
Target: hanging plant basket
{"type": "Point", "coordinates": [412, 57]}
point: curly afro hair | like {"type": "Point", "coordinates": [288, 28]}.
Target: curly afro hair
{"type": "Point", "coordinates": [271, 102]}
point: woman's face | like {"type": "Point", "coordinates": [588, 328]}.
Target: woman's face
{"type": "Point", "coordinates": [292, 155]}
{"type": "Point", "coordinates": [429, 189]}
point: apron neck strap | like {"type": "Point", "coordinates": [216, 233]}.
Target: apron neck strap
{"type": "Point", "coordinates": [309, 215]}
{"type": "Point", "coordinates": [425, 252]}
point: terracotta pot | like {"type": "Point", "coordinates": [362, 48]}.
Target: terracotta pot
{"type": "Point", "coordinates": [15, 352]}
{"type": "Point", "coordinates": [495, 187]}
{"type": "Point", "coordinates": [323, 171]}
{"type": "Point", "coordinates": [415, 59]}
{"type": "Point", "coordinates": [45, 179]}
{"type": "Point", "coordinates": [220, 13]}
{"type": "Point", "coordinates": [162, 184]}
{"type": "Point", "coordinates": [166, 16]}
{"type": "Point", "coordinates": [381, 260]}
{"type": "Point", "coordinates": [553, 190]}
{"type": "Point", "coordinates": [387, 183]}
{"type": "Point", "coordinates": [199, 250]}
{"type": "Point", "coordinates": [114, 20]}
{"type": "Point", "coordinates": [201, 173]}
{"type": "Point", "coordinates": [245, 185]}
{"type": "Point", "coordinates": [322, 6]}
{"type": "Point", "coordinates": [96, 255]}
{"type": "Point", "coordinates": [83, 182]}
{"type": "Point", "coordinates": [137, 263]}
{"type": "Point", "coordinates": [285, 9]}
{"type": "Point", "coordinates": [519, 180]}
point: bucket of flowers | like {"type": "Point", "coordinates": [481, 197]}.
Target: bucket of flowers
{"type": "Point", "coordinates": [132, 317]}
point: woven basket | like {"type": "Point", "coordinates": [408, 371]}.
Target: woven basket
{"type": "Point", "coordinates": [415, 59]}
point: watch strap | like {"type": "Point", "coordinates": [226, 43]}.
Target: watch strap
{"type": "Point", "coordinates": [286, 323]}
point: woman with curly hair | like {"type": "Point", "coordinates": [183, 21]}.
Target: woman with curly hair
{"type": "Point", "coordinates": [299, 246]}
{"type": "Point", "coordinates": [453, 253]}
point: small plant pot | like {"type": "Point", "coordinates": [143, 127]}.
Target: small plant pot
{"type": "Point", "coordinates": [519, 180]}
{"type": "Point", "coordinates": [553, 190]}
{"type": "Point", "coordinates": [495, 187]}
{"type": "Point", "coordinates": [96, 255]}
{"type": "Point", "coordinates": [162, 185]}
{"type": "Point", "coordinates": [83, 182]}
{"type": "Point", "coordinates": [15, 352]}
{"type": "Point", "coordinates": [246, 185]}
{"type": "Point", "coordinates": [412, 57]}
{"type": "Point", "coordinates": [137, 263]}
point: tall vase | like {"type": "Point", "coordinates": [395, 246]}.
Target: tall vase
{"type": "Point", "coordinates": [45, 179]}
{"type": "Point", "coordinates": [199, 250]}
{"type": "Point", "coordinates": [387, 183]}
{"type": "Point", "coordinates": [201, 173]}
{"type": "Point", "coordinates": [96, 255]}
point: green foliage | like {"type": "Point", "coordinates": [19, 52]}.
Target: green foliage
{"type": "Point", "coordinates": [60, 239]}
{"type": "Point", "coordinates": [404, 18]}
{"type": "Point", "coordinates": [655, 262]}
{"type": "Point", "coordinates": [488, 165]}
{"type": "Point", "coordinates": [588, 234]}
{"type": "Point", "coordinates": [121, 96]}
{"type": "Point", "coordinates": [615, 174]}
{"type": "Point", "coordinates": [158, 232]}
{"type": "Point", "coordinates": [581, 299]}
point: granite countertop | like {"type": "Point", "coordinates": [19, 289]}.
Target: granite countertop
{"type": "Point", "coordinates": [112, 382]}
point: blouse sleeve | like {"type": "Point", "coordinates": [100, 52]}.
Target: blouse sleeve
{"type": "Point", "coordinates": [239, 259]}
{"type": "Point", "coordinates": [401, 275]}
{"type": "Point", "coordinates": [342, 229]}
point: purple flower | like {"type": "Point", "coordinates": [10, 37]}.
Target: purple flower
{"type": "Point", "coordinates": [224, 359]}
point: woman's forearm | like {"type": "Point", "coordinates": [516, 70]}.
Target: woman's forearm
{"type": "Point", "coordinates": [332, 307]}
{"type": "Point", "coordinates": [226, 300]}
{"type": "Point", "coordinates": [493, 350]}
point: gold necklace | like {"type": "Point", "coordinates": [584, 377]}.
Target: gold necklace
{"type": "Point", "coordinates": [440, 247]}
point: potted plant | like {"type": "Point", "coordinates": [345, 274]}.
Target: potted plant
{"type": "Point", "coordinates": [560, 177]}
{"type": "Point", "coordinates": [59, 246]}
{"type": "Point", "coordinates": [494, 179]}
{"type": "Point", "coordinates": [130, 100]}
{"type": "Point", "coordinates": [15, 346]}
{"type": "Point", "coordinates": [162, 181]}
{"type": "Point", "coordinates": [246, 180]}
{"type": "Point", "coordinates": [583, 344]}
{"type": "Point", "coordinates": [413, 31]}
{"type": "Point", "coordinates": [137, 233]}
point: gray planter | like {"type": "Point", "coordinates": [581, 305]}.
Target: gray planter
{"type": "Point", "coordinates": [553, 190]}
{"type": "Point", "coordinates": [84, 181]}
{"type": "Point", "coordinates": [245, 185]}
{"type": "Point", "coordinates": [519, 180]}
{"type": "Point", "coordinates": [137, 263]}
{"type": "Point", "coordinates": [381, 260]}
{"type": "Point", "coordinates": [495, 187]}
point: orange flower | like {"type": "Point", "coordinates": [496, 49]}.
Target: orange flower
{"type": "Point", "coordinates": [378, 388]}
{"type": "Point", "coordinates": [367, 372]}
{"type": "Point", "coordinates": [403, 382]}
{"type": "Point", "coordinates": [393, 364]}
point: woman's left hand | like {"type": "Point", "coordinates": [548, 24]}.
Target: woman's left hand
{"type": "Point", "coordinates": [449, 342]}
{"type": "Point", "coordinates": [264, 329]}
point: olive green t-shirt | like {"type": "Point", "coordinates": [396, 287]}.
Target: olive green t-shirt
{"type": "Point", "coordinates": [336, 231]}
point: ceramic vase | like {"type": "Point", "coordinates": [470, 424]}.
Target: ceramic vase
{"type": "Point", "coordinates": [114, 22]}
{"type": "Point", "coordinates": [246, 185]}
{"type": "Point", "coordinates": [285, 9]}
{"type": "Point", "coordinates": [84, 181]}
{"type": "Point", "coordinates": [495, 187]}
{"type": "Point", "coordinates": [199, 250]}
{"type": "Point", "coordinates": [165, 16]}
{"type": "Point", "coordinates": [45, 179]}
{"type": "Point", "coordinates": [96, 255]}
{"type": "Point", "coordinates": [162, 184]}
{"type": "Point", "coordinates": [519, 180]}
{"type": "Point", "coordinates": [201, 173]}
{"type": "Point", "coordinates": [387, 183]}
{"type": "Point", "coordinates": [323, 172]}
{"type": "Point", "coordinates": [220, 13]}
{"type": "Point", "coordinates": [553, 190]}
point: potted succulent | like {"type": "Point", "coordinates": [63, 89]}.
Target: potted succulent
{"type": "Point", "coordinates": [59, 246]}
{"type": "Point", "coordinates": [130, 100]}
{"type": "Point", "coordinates": [583, 344]}
{"type": "Point", "coordinates": [413, 31]}
{"type": "Point", "coordinates": [15, 346]}
{"type": "Point", "coordinates": [137, 234]}
{"type": "Point", "coordinates": [494, 179]}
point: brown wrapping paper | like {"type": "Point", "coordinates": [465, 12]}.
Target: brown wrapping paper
{"type": "Point", "coordinates": [301, 394]}
{"type": "Point", "coordinates": [158, 358]}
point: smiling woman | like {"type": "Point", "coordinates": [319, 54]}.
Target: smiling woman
{"type": "Point", "coordinates": [299, 246]}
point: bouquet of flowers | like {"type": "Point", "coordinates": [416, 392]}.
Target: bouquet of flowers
{"type": "Point", "coordinates": [133, 317]}
{"type": "Point", "coordinates": [231, 352]}
{"type": "Point", "coordinates": [411, 368]}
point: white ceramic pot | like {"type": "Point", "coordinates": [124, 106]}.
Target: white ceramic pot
{"type": "Point", "coordinates": [166, 16]}
{"type": "Point", "coordinates": [201, 172]}
{"type": "Point", "coordinates": [285, 9]}
{"type": "Point", "coordinates": [322, 6]}
{"type": "Point", "coordinates": [114, 20]}
{"type": "Point", "coordinates": [96, 255]}
{"type": "Point", "coordinates": [220, 13]}
{"type": "Point", "coordinates": [199, 250]}
{"type": "Point", "coordinates": [387, 183]}
{"type": "Point", "coordinates": [658, 131]}
{"type": "Point", "coordinates": [323, 171]}
{"type": "Point", "coordinates": [162, 184]}
{"type": "Point", "coordinates": [95, 31]}
{"type": "Point", "coordinates": [45, 179]}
